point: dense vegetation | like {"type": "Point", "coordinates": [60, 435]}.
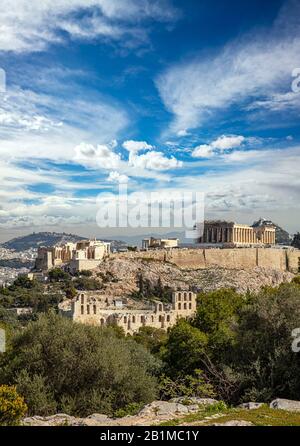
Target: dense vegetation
{"type": "Point", "coordinates": [237, 348]}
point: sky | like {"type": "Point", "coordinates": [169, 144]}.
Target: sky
{"type": "Point", "coordinates": [161, 95]}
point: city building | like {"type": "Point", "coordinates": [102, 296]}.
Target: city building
{"type": "Point", "coordinates": [103, 312]}
{"type": "Point", "coordinates": [232, 234]}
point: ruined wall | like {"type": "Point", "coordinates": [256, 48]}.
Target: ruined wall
{"type": "Point", "coordinates": [231, 258]}
{"type": "Point", "coordinates": [293, 261]}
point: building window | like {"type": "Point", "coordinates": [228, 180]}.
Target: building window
{"type": "Point", "coordinates": [82, 299]}
{"type": "Point", "coordinates": [159, 318]}
{"type": "Point", "coordinates": [179, 296]}
{"type": "Point", "coordinates": [179, 306]}
{"type": "Point", "coordinates": [95, 309]}
{"type": "Point", "coordinates": [184, 306]}
{"type": "Point", "coordinates": [133, 319]}
{"type": "Point", "coordinates": [168, 318]}
{"type": "Point", "coordinates": [88, 309]}
{"type": "Point", "coordinates": [160, 307]}
{"type": "Point", "coordinates": [190, 306]}
{"type": "Point", "coordinates": [82, 309]}
{"type": "Point", "coordinates": [190, 296]}
{"type": "Point", "coordinates": [152, 318]}
{"type": "Point", "coordinates": [184, 296]}
{"type": "Point", "coordinates": [125, 320]}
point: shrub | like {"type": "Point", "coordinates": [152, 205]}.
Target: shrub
{"type": "Point", "coordinates": [83, 368]}
{"type": "Point", "coordinates": [186, 386]}
{"type": "Point", "coordinates": [12, 406]}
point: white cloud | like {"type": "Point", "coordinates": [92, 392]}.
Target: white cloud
{"type": "Point", "coordinates": [154, 161]}
{"type": "Point", "coordinates": [100, 156]}
{"type": "Point", "coordinates": [116, 177]}
{"type": "Point", "coordinates": [136, 146]}
{"type": "Point", "coordinates": [202, 151]}
{"type": "Point", "coordinates": [258, 65]}
{"type": "Point", "coordinates": [25, 27]}
{"type": "Point", "coordinates": [220, 144]}
{"type": "Point", "coordinates": [37, 125]}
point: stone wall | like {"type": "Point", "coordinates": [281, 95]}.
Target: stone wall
{"type": "Point", "coordinates": [231, 258]}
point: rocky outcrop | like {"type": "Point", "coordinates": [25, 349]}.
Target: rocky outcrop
{"type": "Point", "coordinates": [124, 275]}
{"type": "Point", "coordinates": [251, 405]}
{"type": "Point", "coordinates": [153, 413]}
{"type": "Point", "coordinates": [289, 405]}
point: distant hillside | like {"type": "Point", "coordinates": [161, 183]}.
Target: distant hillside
{"type": "Point", "coordinates": [37, 239]}
{"type": "Point", "coordinates": [282, 237]}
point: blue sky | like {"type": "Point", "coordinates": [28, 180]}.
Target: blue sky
{"type": "Point", "coordinates": [167, 95]}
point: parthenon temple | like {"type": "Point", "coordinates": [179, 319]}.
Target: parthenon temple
{"type": "Point", "coordinates": [234, 234]}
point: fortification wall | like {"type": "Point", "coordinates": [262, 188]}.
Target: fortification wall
{"type": "Point", "coordinates": [231, 258]}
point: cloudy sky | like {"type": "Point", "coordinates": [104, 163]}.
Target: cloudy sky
{"type": "Point", "coordinates": [166, 95]}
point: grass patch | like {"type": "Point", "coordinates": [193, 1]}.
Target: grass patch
{"type": "Point", "coordinates": [263, 416]}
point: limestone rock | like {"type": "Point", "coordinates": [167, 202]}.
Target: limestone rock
{"type": "Point", "coordinates": [160, 409]}
{"type": "Point", "coordinates": [290, 405]}
{"type": "Point", "coordinates": [194, 401]}
{"type": "Point", "coordinates": [251, 405]}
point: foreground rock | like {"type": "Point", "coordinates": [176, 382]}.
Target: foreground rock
{"type": "Point", "coordinates": [251, 405]}
{"type": "Point", "coordinates": [289, 405]}
{"type": "Point", "coordinates": [152, 413]}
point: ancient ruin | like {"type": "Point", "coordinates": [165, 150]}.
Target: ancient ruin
{"type": "Point", "coordinates": [234, 234]}
{"type": "Point", "coordinates": [95, 310]}
{"type": "Point", "coordinates": [83, 255]}
{"type": "Point", "coordinates": [154, 243]}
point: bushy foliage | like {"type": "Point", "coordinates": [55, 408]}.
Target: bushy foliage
{"type": "Point", "coordinates": [151, 338]}
{"type": "Point", "coordinates": [12, 406]}
{"type": "Point", "coordinates": [64, 366]}
{"type": "Point", "coordinates": [186, 385]}
{"type": "Point", "coordinates": [184, 349]}
{"type": "Point", "coordinates": [263, 358]}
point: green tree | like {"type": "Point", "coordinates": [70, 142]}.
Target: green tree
{"type": "Point", "coordinates": [296, 240]}
{"type": "Point", "coordinates": [263, 358]}
{"type": "Point", "coordinates": [184, 348]}
{"type": "Point", "coordinates": [217, 315]}
{"type": "Point", "coordinates": [151, 338]}
{"type": "Point", "coordinates": [83, 368]}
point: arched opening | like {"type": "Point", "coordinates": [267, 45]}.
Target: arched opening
{"type": "Point", "coordinates": [184, 306]}
{"type": "Point", "coordinates": [82, 309]}
{"type": "Point", "coordinates": [179, 306]}
{"type": "Point", "coordinates": [95, 309]}
{"type": "Point", "coordinates": [102, 322]}
{"type": "Point", "coordinates": [133, 319]}
{"type": "Point", "coordinates": [184, 296]}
